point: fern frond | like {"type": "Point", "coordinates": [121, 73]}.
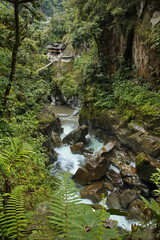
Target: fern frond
{"type": "Point", "coordinates": [12, 219]}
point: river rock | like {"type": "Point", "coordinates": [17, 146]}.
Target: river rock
{"type": "Point", "coordinates": [109, 186]}
{"type": "Point", "coordinates": [94, 192]}
{"type": "Point", "coordinates": [115, 178]}
{"type": "Point", "coordinates": [106, 148]}
{"type": "Point", "coordinates": [128, 196]}
{"type": "Point", "coordinates": [95, 167]}
{"type": "Point", "coordinates": [136, 210]}
{"type": "Point", "coordinates": [77, 148]}
{"type": "Point", "coordinates": [77, 135]}
{"type": "Point", "coordinates": [127, 170]}
{"type": "Point", "coordinates": [55, 139]}
{"type": "Point", "coordinates": [138, 139]}
{"type": "Point", "coordinates": [136, 183]}
{"type": "Point", "coordinates": [122, 156]}
{"type": "Point", "coordinates": [146, 166]}
{"type": "Point", "coordinates": [141, 142]}
{"type": "Point", "coordinates": [82, 176]}
{"type": "Point", "coordinates": [113, 201]}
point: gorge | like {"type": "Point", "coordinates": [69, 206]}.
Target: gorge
{"type": "Point", "coordinates": [88, 105]}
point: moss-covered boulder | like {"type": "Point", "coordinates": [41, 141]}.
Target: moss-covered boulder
{"type": "Point", "coordinates": [49, 122]}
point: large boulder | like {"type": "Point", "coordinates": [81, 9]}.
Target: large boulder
{"type": "Point", "coordinates": [48, 122]}
{"type": "Point", "coordinates": [141, 142]}
{"type": "Point", "coordinates": [95, 167]}
{"type": "Point", "coordinates": [82, 176]}
{"type": "Point", "coordinates": [113, 201]}
{"type": "Point", "coordinates": [94, 191]}
{"type": "Point", "coordinates": [137, 211]}
{"type": "Point", "coordinates": [77, 148]}
{"type": "Point", "coordinates": [77, 135]}
{"type": "Point", "coordinates": [146, 166]}
{"type": "Point", "coordinates": [128, 196]}
{"type": "Point", "coordinates": [115, 178]}
{"type": "Point", "coordinates": [135, 183]}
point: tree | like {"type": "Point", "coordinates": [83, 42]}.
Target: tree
{"type": "Point", "coordinates": [17, 41]}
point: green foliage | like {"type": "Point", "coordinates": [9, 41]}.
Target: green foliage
{"type": "Point", "coordinates": [156, 179]}
{"type": "Point", "coordinates": [154, 206]}
{"type": "Point", "coordinates": [72, 220]}
{"type": "Point", "coordinates": [51, 7]}
{"type": "Point", "coordinates": [154, 39]}
{"type": "Point", "coordinates": [13, 222]}
{"type": "Point", "coordinates": [24, 165]}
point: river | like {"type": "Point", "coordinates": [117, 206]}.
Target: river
{"type": "Point", "coordinates": [67, 161]}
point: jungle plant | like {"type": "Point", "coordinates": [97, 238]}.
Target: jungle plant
{"type": "Point", "coordinates": [156, 179]}
{"type": "Point", "coordinates": [21, 164]}
{"type": "Point", "coordinates": [71, 219]}
{"type": "Point", "coordinates": [12, 217]}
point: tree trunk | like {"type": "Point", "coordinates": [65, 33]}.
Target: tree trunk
{"type": "Point", "coordinates": [14, 54]}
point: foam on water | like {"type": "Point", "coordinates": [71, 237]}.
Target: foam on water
{"type": "Point", "coordinates": [122, 221]}
{"type": "Point", "coordinates": [67, 160]}
{"type": "Point", "coordinates": [93, 143]}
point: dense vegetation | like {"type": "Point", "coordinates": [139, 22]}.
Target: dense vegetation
{"type": "Point", "coordinates": [26, 27]}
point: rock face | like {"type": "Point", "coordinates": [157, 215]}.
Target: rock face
{"type": "Point", "coordinates": [77, 135]}
{"type": "Point", "coordinates": [95, 167]}
{"type": "Point", "coordinates": [131, 135]}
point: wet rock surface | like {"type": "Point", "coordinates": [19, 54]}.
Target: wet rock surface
{"type": "Point", "coordinates": [113, 201]}
{"type": "Point", "coordinates": [77, 148]}
{"type": "Point", "coordinates": [136, 210]}
{"type": "Point", "coordinates": [77, 135]}
{"type": "Point", "coordinates": [128, 196]}
{"type": "Point", "coordinates": [94, 191]}
{"type": "Point", "coordinates": [115, 178]}
{"type": "Point", "coordinates": [136, 183]}
{"type": "Point", "coordinates": [95, 167]}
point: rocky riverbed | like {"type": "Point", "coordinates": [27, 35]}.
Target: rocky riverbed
{"type": "Point", "coordinates": [111, 169]}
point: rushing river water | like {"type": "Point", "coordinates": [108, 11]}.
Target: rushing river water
{"type": "Point", "coordinates": [67, 161]}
